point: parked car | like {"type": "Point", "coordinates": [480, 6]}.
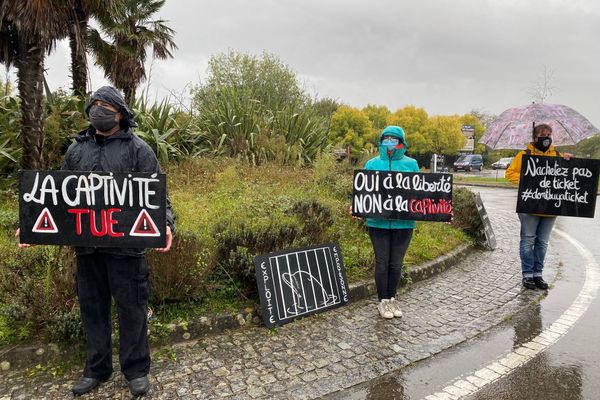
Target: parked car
{"type": "Point", "coordinates": [469, 162]}
{"type": "Point", "coordinates": [340, 154]}
{"type": "Point", "coordinates": [502, 163]}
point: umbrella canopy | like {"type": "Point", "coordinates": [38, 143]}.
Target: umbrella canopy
{"type": "Point", "coordinates": [513, 128]}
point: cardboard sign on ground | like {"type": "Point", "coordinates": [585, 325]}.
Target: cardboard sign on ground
{"type": "Point", "coordinates": [300, 282]}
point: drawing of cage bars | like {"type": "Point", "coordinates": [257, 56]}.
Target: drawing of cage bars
{"type": "Point", "coordinates": [304, 282]}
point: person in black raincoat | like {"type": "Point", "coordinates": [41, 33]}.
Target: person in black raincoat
{"type": "Point", "coordinates": [109, 144]}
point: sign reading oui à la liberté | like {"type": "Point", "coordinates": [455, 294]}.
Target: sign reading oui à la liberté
{"type": "Point", "coordinates": [555, 186]}
{"type": "Point", "coordinates": [92, 209]}
{"type": "Point", "coordinates": [402, 195]}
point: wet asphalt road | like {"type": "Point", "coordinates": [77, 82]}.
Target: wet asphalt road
{"type": "Point", "coordinates": [568, 369]}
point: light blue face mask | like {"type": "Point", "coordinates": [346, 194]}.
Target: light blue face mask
{"type": "Point", "coordinates": [390, 143]}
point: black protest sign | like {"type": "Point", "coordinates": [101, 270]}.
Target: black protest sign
{"type": "Point", "coordinates": [299, 282]}
{"type": "Point", "coordinates": [555, 186]}
{"type": "Point", "coordinates": [92, 209]}
{"type": "Point", "coordinates": [402, 195]}
{"type": "Point", "coordinates": [487, 225]}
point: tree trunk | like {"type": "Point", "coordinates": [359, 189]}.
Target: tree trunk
{"type": "Point", "coordinates": [129, 93]}
{"type": "Point", "coordinates": [77, 40]}
{"type": "Point", "coordinates": [30, 64]}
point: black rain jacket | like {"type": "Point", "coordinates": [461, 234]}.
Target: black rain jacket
{"type": "Point", "coordinates": [123, 151]}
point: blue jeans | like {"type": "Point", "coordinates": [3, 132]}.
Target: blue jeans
{"type": "Point", "coordinates": [535, 233]}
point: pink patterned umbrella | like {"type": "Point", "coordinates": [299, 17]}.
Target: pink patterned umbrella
{"type": "Point", "coordinates": [512, 129]}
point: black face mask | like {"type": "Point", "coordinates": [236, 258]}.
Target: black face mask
{"type": "Point", "coordinates": [542, 143]}
{"type": "Point", "coordinates": [102, 118]}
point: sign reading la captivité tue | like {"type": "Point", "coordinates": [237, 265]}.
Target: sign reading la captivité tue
{"type": "Point", "coordinates": [92, 209]}
{"type": "Point", "coordinates": [555, 186]}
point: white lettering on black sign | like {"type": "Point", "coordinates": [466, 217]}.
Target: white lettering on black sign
{"type": "Point", "coordinates": [299, 282]}
{"type": "Point", "coordinates": [555, 186]}
{"type": "Point", "coordinates": [402, 195]}
{"type": "Point", "coordinates": [92, 208]}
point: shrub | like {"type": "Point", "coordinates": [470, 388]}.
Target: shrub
{"type": "Point", "coordinates": [336, 177]}
{"type": "Point", "coordinates": [465, 212]}
{"type": "Point", "coordinates": [253, 108]}
{"type": "Point", "coordinates": [38, 280]}
{"type": "Point", "coordinates": [315, 219]}
{"type": "Point", "coordinates": [180, 274]}
{"type": "Point", "coordinates": [66, 327]}
{"type": "Point", "coordinates": [10, 125]}
{"type": "Point", "coordinates": [239, 243]}
{"type": "Point", "coordinates": [170, 132]}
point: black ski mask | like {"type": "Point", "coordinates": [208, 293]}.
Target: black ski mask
{"type": "Point", "coordinates": [102, 118]}
{"type": "Point", "coordinates": [542, 143]}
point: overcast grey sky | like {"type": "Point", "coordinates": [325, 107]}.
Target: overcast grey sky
{"type": "Point", "coordinates": [448, 57]}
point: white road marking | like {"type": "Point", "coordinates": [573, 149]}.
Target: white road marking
{"type": "Point", "coordinates": [466, 386]}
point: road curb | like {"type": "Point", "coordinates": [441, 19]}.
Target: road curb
{"type": "Point", "coordinates": [29, 355]}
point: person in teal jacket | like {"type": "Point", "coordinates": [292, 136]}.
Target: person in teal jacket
{"type": "Point", "coordinates": [390, 238]}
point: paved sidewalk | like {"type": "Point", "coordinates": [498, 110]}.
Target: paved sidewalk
{"type": "Point", "coordinates": [332, 351]}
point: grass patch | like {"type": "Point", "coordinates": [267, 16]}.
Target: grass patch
{"type": "Point", "coordinates": [484, 180]}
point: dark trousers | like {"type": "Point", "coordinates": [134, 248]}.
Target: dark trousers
{"type": "Point", "coordinates": [390, 246]}
{"type": "Point", "coordinates": [100, 276]}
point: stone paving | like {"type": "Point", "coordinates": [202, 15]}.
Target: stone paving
{"type": "Point", "coordinates": [328, 352]}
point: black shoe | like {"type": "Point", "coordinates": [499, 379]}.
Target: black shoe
{"type": "Point", "coordinates": [540, 283]}
{"type": "Point", "coordinates": [84, 385]}
{"type": "Point", "coordinates": [529, 283]}
{"type": "Point", "coordinates": [139, 386]}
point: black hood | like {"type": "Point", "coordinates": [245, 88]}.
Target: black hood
{"type": "Point", "coordinates": [112, 96]}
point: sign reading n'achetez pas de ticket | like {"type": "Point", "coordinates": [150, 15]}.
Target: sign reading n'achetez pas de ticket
{"type": "Point", "coordinates": [402, 195]}
{"type": "Point", "coordinates": [555, 186]}
{"type": "Point", "coordinates": [92, 209]}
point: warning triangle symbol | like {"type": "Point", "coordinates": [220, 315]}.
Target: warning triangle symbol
{"type": "Point", "coordinates": [144, 226]}
{"type": "Point", "coordinates": [45, 223]}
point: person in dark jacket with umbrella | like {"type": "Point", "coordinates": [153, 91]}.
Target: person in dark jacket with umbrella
{"type": "Point", "coordinates": [110, 145]}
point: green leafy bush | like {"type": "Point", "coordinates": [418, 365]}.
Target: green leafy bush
{"type": "Point", "coordinates": [315, 219]}
{"type": "Point", "coordinates": [239, 243]}
{"type": "Point", "coordinates": [253, 108]}
{"type": "Point", "coordinates": [179, 275]}
{"type": "Point", "coordinates": [66, 327]}
{"type": "Point", "coordinates": [465, 213]}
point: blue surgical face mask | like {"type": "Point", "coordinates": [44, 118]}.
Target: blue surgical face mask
{"type": "Point", "coordinates": [390, 143]}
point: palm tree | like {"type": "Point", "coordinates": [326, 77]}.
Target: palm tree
{"type": "Point", "coordinates": [130, 31]}
{"type": "Point", "coordinates": [78, 33]}
{"type": "Point", "coordinates": [29, 30]}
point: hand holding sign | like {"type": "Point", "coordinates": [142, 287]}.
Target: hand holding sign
{"type": "Point", "coordinates": [169, 241]}
{"type": "Point", "coordinates": [99, 209]}
{"type": "Point", "coordinates": [17, 235]}
{"type": "Point", "coordinates": [566, 156]}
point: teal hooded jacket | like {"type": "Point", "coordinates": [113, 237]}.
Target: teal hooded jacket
{"type": "Point", "coordinates": [395, 161]}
